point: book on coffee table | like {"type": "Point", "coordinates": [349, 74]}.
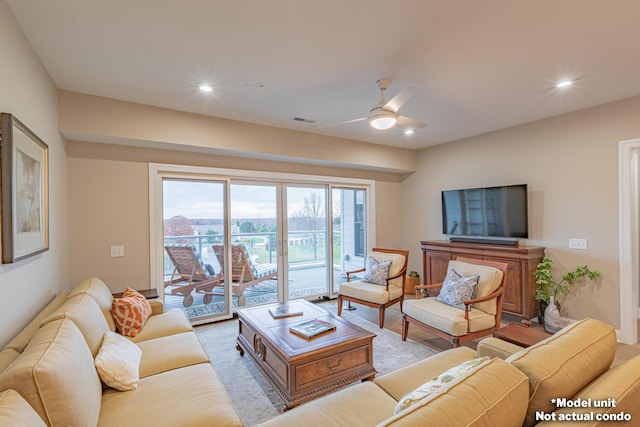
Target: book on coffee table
{"type": "Point", "coordinates": [312, 328]}
{"type": "Point", "coordinates": [284, 310]}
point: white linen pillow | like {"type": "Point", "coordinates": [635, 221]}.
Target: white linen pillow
{"type": "Point", "coordinates": [118, 362]}
{"type": "Point", "coordinates": [438, 383]}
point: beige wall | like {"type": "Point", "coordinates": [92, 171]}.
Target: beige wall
{"type": "Point", "coordinates": [570, 163]}
{"type": "Point", "coordinates": [27, 92]}
{"type": "Point", "coordinates": [109, 205]}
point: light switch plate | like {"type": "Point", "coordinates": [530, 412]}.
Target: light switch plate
{"type": "Point", "coordinates": [117, 251]}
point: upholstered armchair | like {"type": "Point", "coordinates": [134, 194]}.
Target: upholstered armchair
{"type": "Point", "coordinates": [382, 282]}
{"type": "Point", "coordinates": [468, 306]}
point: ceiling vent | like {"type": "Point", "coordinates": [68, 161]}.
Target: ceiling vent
{"type": "Point", "coordinates": [303, 120]}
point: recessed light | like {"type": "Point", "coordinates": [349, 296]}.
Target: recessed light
{"type": "Point", "coordinates": [565, 83]}
{"type": "Point", "coordinates": [205, 87]}
{"type": "Point", "coordinates": [409, 132]}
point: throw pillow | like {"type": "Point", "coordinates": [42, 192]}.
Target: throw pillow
{"type": "Point", "coordinates": [118, 362]}
{"type": "Point", "coordinates": [438, 383]}
{"type": "Point", "coordinates": [376, 272]}
{"type": "Point", "coordinates": [456, 289]}
{"type": "Point", "coordinates": [130, 312]}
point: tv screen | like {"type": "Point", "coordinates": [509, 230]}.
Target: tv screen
{"type": "Point", "coordinates": [494, 212]}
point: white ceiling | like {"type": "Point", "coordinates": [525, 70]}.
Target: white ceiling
{"type": "Point", "coordinates": [480, 65]}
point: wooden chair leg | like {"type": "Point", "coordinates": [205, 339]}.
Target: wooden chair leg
{"type": "Point", "coordinates": [405, 328]}
{"type": "Point", "coordinates": [339, 305]}
{"type": "Point", "coordinates": [455, 342]}
{"type": "Point", "coordinates": [381, 316]}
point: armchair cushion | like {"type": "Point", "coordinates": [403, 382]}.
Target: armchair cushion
{"type": "Point", "coordinates": [397, 264]}
{"type": "Point", "coordinates": [456, 289]}
{"type": "Point", "coordinates": [447, 318]}
{"type": "Point", "coordinates": [489, 281]}
{"type": "Point", "coordinates": [376, 272]}
{"type": "Point", "coordinates": [370, 292]}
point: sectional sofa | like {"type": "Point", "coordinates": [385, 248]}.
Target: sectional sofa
{"type": "Point", "coordinates": [48, 370]}
{"type": "Point", "coordinates": [48, 377]}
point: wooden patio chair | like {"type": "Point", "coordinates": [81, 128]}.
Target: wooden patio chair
{"type": "Point", "coordinates": [189, 273]}
{"type": "Point", "coordinates": [244, 271]}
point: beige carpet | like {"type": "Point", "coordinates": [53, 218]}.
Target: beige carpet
{"type": "Point", "coordinates": [255, 399]}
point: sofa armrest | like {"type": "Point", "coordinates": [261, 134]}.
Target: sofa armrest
{"type": "Point", "coordinates": [495, 347]}
{"type": "Point", "coordinates": [157, 307]}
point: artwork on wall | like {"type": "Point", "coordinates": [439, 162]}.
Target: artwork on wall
{"type": "Point", "coordinates": [24, 191]}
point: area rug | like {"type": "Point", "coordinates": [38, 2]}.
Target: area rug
{"type": "Point", "coordinates": [255, 399]}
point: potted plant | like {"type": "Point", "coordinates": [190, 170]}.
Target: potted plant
{"type": "Point", "coordinates": [548, 289]}
{"type": "Point", "coordinates": [412, 280]}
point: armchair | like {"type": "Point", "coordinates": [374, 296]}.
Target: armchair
{"type": "Point", "coordinates": [387, 291]}
{"type": "Point", "coordinates": [471, 317]}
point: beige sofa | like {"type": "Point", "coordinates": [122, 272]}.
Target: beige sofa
{"type": "Point", "coordinates": [508, 390]}
{"type": "Point", "coordinates": [48, 370]}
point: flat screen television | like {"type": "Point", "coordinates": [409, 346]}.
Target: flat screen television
{"type": "Point", "coordinates": [488, 214]}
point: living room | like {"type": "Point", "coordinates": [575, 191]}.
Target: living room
{"type": "Point", "coordinates": [99, 192]}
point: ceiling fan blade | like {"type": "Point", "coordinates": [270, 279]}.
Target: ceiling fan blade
{"type": "Point", "coordinates": [395, 103]}
{"type": "Point", "coordinates": [343, 123]}
{"type": "Point", "coordinates": [410, 123]}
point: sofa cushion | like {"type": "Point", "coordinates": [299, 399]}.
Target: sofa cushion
{"type": "Point", "coordinates": [130, 312]}
{"type": "Point", "coordinates": [170, 322]}
{"type": "Point", "coordinates": [621, 383]}
{"type": "Point", "coordinates": [56, 375]}
{"type": "Point", "coordinates": [457, 289]}
{"type": "Point", "coordinates": [86, 314]}
{"type": "Point", "coordinates": [361, 405]}
{"type": "Point", "coordinates": [490, 279]}
{"type": "Point", "coordinates": [564, 363]}
{"type": "Point", "coordinates": [447, 318]}
{"type": "Point", "coordinates": [495, 394]}
{"type": "Point", "coordinates": [100, 292]}
{"type": "Point", "coordinates": [438, 383]}
{"type": "Point", "coordinates": [7, 356]}
{"type": "Point", "coordinates": [15, 411]}
{"type": "Point", "coordinates": [118, 362]}
{"type": "Point", "coordinates": [402, 381]}
{"type": "Point", "coordinates": [20, 341]}
{"type": "Point", "coordinates": [495, 347]}
{"type": "Point", "coordinates": [190, 396]}
{"type": "Point", "coordinates": [170, 352]}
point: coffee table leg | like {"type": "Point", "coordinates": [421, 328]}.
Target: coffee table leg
{"type": "Point", "coordinates": [240, 349]}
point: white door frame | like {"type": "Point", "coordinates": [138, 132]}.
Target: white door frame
{"type": "Point", "coordinates": [628, 239]}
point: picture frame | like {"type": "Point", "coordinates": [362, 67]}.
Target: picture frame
{"type": "Point", "coordinates": [24, 191]}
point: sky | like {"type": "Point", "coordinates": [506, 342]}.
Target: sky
{"type": "Point", "coordinates": [204, 199]}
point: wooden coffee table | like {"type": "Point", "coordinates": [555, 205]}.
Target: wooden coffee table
{"type": "Point", "coordinates": [521, 335]}
{"type": "Point", "coordinates": [302, 369]}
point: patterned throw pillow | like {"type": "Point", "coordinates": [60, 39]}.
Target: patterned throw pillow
{"type": "Point", "coordinates": [376, 272]}
{"type": "Point", "coordinates": [456, 289]}
{"type": "Point", "coordinates": [438, 382]}
{"type": "Point", "coordinates": [130, 312]}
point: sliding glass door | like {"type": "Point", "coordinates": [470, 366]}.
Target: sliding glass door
{"type": "Point", "coordinates": [252, 238]}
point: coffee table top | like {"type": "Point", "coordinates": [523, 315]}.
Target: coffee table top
{"type": "Point", "coordinates": [292, 345]}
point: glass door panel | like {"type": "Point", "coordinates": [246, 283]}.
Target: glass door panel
{"type": "Point", "coordinates": [254, 243]}
{"type": "Point", "coordinates": [306, 240]}
{"type": "Point", "coordinates": [349, 226]}
{"type": "Point", "coordinates": [193, 221]}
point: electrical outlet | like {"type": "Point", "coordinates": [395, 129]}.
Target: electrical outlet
{"type": "Point", "coordinates": [578, 244]}
{"type": "Point", "coordinates": [117, 251]}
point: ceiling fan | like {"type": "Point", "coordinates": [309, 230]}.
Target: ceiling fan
{"type": "Point", "coordinates": [384, 115]}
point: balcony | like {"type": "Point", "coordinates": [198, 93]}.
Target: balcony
{"type": "Point", "coordinates": [307, 271]}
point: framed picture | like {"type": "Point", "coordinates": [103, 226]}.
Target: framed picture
{"type": "Point", "coordinates": [24, 191]}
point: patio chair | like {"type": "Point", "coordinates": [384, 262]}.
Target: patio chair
{"type": "Point", "coordinates": [469, 304]}
{"type": "Point", "coordinates": [376, 289]}
{"type": "Point", "coordinates": [245, 272]}
{"type": "Point", "coordinates": [189, 273]}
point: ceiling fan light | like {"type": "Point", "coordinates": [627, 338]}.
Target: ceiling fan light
{"type": "Point", "coordinates": [383, 121]}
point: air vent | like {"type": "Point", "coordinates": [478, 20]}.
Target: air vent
{"type": "Point", "coordinates": [303, 120]}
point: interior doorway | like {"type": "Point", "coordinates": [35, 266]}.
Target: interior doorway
{"type": "Point", "coordinates": [629, 240]}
